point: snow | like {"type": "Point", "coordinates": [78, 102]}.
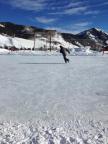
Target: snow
{"type": "Point", "coordinates": [4, 51]}
{"type": "Point", "coordinates": [17, 42]}
{"type": "Point", "coordinates": [92, 37]}
{"type": "Point", "coordinates": [80, 45]}
{"type": "Point", "coordinates": [28, 29]}
{"type": "Point", "coordinates": [107, 42]}
{"type": "Point", "coordinates": [39, 42]}
{"type": "Point", "coordinates": [99, 30]}
{"type": "Point", "coordinates": [2, 25]}
{"type": "Point", "coordinates": [22, 43]}
{"type": "Point", "coordinates": [27, 133]}
{"type": "Point", "coordinates": [45, 101]}
{"type": "Point", "coordinates": [74, 51]}
{"type": "Point", "coordinates": [4, 41]}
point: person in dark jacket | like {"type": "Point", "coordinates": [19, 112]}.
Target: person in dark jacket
{"type": "Point", "coordinates": [64, 51]}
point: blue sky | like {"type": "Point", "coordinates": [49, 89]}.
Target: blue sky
{"type": "Point", "coordinates": [72, 16]}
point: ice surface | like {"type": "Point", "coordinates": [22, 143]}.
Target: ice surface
{"type": "Point", "coordinates": [68, 100]}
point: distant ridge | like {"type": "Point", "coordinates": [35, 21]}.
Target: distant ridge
{"type": "Point", "coordinates": [94, 37]}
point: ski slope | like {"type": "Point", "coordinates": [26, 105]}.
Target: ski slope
{"type": "Point", "coordinates": [44, 100]}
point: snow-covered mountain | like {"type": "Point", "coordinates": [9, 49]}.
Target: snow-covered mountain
{"type": "Point", "coordinates": [22, 37]}
{"type": "Point", "coordinates": [94, 37]}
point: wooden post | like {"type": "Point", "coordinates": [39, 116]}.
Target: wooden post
{"type": "Point", "coordinates": [34, 41]}
{"type": "Point", "coordinates": [50, 41]}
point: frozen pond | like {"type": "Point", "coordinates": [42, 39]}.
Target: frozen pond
{"type": "Point", "coordinates": [44, 101]}
{"type": "Point", "coordinates": [44, 88]}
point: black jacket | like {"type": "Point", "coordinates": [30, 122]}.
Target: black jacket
{"type": "Point", "coordinates": [64, 50]}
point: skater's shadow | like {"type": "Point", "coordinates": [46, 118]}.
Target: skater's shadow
{"type": "Point", "coordinates": [41, 63]}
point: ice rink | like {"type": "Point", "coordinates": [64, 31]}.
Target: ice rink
{"type": "Point", "coordinates": [45, 89]}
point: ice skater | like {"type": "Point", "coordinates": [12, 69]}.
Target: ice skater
{"type": "Point", "coordinates": [64, 51]}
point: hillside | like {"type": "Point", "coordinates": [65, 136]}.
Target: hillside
{"type": "Point", "coordinates": [21, 36]}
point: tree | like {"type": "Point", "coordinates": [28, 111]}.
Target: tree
{"type": "Point", "coordinates": [34, 41]}
{"type": "Point", "coordinates": [50, 34]}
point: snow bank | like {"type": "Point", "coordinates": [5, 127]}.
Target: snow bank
{"type": "Point", "coordinates": [17, 42]}
{"type": "Point", "coordinates": [83, 52]}
{"type": "Point", "coordinates": [4, 51]}
{"type": "Point", "coordinates": [35, 53]}
{"type": "Point", "coordinates": [5, 41]}
{"type": "Point", "coordinates": [16, 133]}
{"type": "Point", "coordinates": [74, 52]}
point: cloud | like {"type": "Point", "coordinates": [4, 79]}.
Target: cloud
{"type": "Point", "coordinates": [78, 27]}
{"type": "Point", "coordinates": [76, 10]}
{"type": "Point", "coordinates": [100, 4]}
{"type": "Point", "coordinates": [94, 12]}
{"type": "Point", "coordinates": [74, 4]}
{"type": "Point", "coordinates": [53, 7]}
{"type": "Point", "coordinates": [60, 29]}
{"type": "Point", "coordinates": [45, 20]}
{"type": "Point", "coordinates": [74, 28]}
{"type": "Point", "coordinates": [65, 5]}
{"type": "Point", "coordinates": [71, 11]}
{"type": "Point", "coordinates": [66, 30]}
{"type": "Point", "coordinates": [82, 24]}
{"type": "Point", "coordinates": [72, 8]}
{"type": "Point", "coordinates": [69, 7]}
{"type": "Point", "coordinates": [105, 3]}
{"type": "Point", "coordinates": [32, 5]}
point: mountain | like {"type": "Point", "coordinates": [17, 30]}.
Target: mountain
{"type": "Point", "coordinates": [94, 38]}
{"type": "Point", "coordinates": [22, 37]}
{"type": "Point", "coordinates": [21, 31]}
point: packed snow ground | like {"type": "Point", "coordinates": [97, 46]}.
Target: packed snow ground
{"type": "Point", "coordinates": [45, 101]}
